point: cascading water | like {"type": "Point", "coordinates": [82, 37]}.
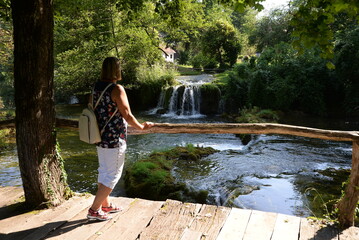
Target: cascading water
{"type": "Point", "coordinates": [185, 101]}
{"type": "Point", "coordinates": [182, 101]}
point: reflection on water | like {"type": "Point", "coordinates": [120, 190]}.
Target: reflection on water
{"type": "Point", "coordinates": [266, 174]}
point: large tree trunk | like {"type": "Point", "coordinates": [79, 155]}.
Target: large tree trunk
{"type": "Point", "coordinates": [42, 171]}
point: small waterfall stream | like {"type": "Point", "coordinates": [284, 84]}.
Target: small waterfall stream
{"type": "Point", "coordinates": [185, 101]}
{"type": "Point", "coordinates": [182, 101]}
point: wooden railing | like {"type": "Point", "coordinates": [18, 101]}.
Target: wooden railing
{"type": "Point", "coordinates": [346, 205]}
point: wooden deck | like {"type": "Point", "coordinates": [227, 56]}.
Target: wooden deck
{"type": "Point", "coordinates": [144, 219]}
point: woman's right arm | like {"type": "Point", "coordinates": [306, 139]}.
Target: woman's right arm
{"type": "Point", "coordinates": [119, 96]}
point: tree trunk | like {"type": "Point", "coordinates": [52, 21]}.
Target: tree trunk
{"type": "Point", "coordinates": [42, 170]}
{"type": "Point", "coordinates": [348, 203]}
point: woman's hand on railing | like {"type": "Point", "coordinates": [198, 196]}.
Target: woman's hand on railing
{"type": "Point", "coordinates": [147, 125]}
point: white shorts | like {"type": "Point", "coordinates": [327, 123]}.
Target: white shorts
{"type": "Point", "coordinates": [111, 161]}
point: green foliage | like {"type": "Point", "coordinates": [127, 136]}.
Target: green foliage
{"type": "Point", "coordinates": [220, 42]}
{"type": "Point", "coordinates": [280, 79]}
{"type": "Point", "coordinates": [6, 61]}
{"type": "Point", "coordinates": [202, 61]}
{"type": "Point", "coordinates": [347, 67]}
{"type": "Point", "coordinates": [257, 115]}
{"type": "Point", "coordinates": [314, 22]}
{"type": "Point", "coordinates": [5, 10]}
{"type": "Point", "coordinates": [271, 30]}
{"type": "Point", "coordinates": [211, 96]}
{"type": "Point", "coordinates": [161, 74]}
{"type": "Point", "coordinates": [7, 139]}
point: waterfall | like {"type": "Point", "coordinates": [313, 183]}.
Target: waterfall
{"type": "Point", "coordinates": [190, 101]}
{"type": "Point", "coordinates": [184, 101]}
{"type": "Point", "coordinates": [160, 104]}
{"type": "Point", "coordinates": [173, 101]}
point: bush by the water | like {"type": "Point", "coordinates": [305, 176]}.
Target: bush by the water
{"type": "Point", "coordinates": [151, 178]}
{"type": "Point", "coordinates": [257, 115]}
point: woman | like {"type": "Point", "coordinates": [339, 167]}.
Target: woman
{"type": "Point", "coordinates": [113, 113]}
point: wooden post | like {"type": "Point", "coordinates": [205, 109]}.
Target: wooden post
{"type": "Point", "coordinates": [349, 201]}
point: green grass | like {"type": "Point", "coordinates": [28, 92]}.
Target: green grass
{"type": "Point", "coordinates": [187, 70]}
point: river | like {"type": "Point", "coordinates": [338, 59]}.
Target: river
{"type": "Point", "coordinates": [275, 173]}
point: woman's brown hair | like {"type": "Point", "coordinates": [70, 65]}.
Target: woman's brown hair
{"type": "Point", "coordinates": [111, 69]}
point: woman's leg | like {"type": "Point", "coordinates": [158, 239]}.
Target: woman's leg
{"type": "Point", "coordinates": [101, 197]}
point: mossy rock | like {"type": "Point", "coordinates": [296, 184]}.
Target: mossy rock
{"type": "Point", "coordinates": [151, 178]}
{"type": "Point", "coordinates": [210, 97]}
{"type": "Point", "coordinates": [167, 97]}
{"type": "Point", "coordinates": [245, 138]}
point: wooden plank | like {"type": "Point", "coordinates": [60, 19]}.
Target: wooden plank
{"type": "Point", "coordinates": [351, 233]}
{"type": "Point", "coordinates": [235, 225]}
{"type": "Point", "coordinates": [235, 128]}
{"type": "Point", "coordinates": [132, 222]}
{"type": "Point", "coordinates": [171, 221]}
{"type": "Point", "coordinates": [308, 229]}
{"type": "Point", "coordinates": [191, 235]}
{"type": "Point", "coordinates": [80, 228]}
{"type": "Point", "coordinates": [286, 228]}
{"type": "Point", "coordinates": [42, 222]}
{"type": "Point", "coordinates": [210, 221]}
{"type": "Point", "coordinates": [260, 226]}
{"type": "Point", "coordinates": [250, 128]}
{"type": "Point", "coordinates": [60, 218]}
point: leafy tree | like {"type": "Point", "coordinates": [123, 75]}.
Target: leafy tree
{"type": "Point", "coordinates": [245, 23]}
{"type": "Point", "coordinates": [221, 43]}
{"type": "Point", "coordinates": [271, 30]}
{"type": "Point", "coordinates": [83, 37]}
{"type": "Point", "coordinates": [314, 22]}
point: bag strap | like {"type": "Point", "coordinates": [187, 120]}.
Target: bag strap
{"type": "Point", "coordinates": [99, 99]}
{"type": "Point", "coordinates": [113, 114]}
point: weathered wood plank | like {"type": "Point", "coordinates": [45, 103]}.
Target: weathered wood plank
{"type": "Point", "coordinates": [351, 233]}
{"type": "Point", "coordinates": [132, 222]}
{"type": "Point", "coordinates": [191, 235]}
{"type": "Point", "coordinates": [170, 221]}
{"type": "Point", "coordinates": [235, 225]}
{"type": "Point", "coordinates": [81, 228]}
{"type": "Point", "coordinates": [236, 128]}
{"type": "Point", "coordinates": [36, 225]}
{"type": "Point", "coordinates": [260, 226]}
{"type": "Point", "coordinates": [308, 229]}
{"type": "Point", "coordinates": [286, 228]}
{"type": "Point", "coordinates": [251, 128]}
{"type": "Point", "coordinates": [60, 219]}
{"type": "Point", "coordinates": [209, 221]}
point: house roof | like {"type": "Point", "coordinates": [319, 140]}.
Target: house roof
{"type": "Point", "coordinates": [168, 50]}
